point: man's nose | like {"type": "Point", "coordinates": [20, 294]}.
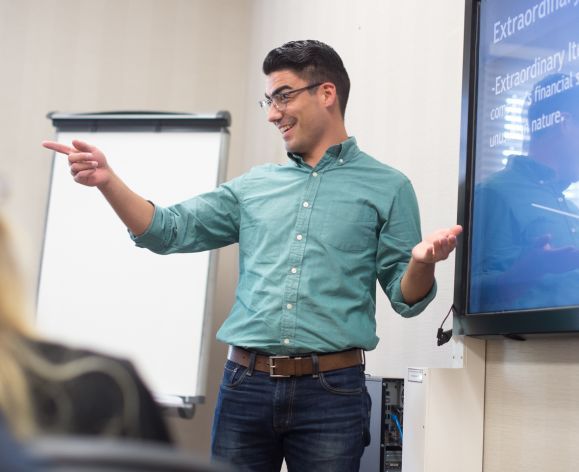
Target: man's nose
{"type": "Point", "coordinates": [273, 114]}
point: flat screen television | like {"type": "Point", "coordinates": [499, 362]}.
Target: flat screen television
{"type": "Point", "coordinates": [517, 263]}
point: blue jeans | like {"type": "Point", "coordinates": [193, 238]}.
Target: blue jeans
{"type": "Point", "coordinates": [318, 424]}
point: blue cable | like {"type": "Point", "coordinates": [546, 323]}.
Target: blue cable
{"type": "Point", "coordinates": [398, 425]}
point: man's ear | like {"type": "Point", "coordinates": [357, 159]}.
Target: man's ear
{"type": "Point", "coordinates": [329, 95]}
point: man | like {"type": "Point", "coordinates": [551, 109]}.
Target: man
{"type": "Point", "coordinates": [525, 228]}
{"type": "Point", "coordinates": [314, 236]}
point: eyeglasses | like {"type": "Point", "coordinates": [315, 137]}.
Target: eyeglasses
{"type": "Point", "coordinates": [280, 100]}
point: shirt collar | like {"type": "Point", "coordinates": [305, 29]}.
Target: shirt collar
{"type": "Point", "coordinates": [345, 150]}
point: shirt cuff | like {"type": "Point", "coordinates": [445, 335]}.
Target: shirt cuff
{"type": "Point", "coordinates": [149, 237]}
{"type": "Point", "coordinates": [408, 311]}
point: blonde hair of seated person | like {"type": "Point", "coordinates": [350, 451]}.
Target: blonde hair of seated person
{"type": "Point", "coordinates": [15, 402]}
{"type": "Point", "coordinates": [16, 357]}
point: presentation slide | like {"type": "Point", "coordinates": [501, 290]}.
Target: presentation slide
{"type": "Point", "coordinates": [525, 209]}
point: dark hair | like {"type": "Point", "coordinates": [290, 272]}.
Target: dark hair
{"type": "Point", "coordinates": [556, 93]}
{"type": "Point", "coordinates": [313, 61]}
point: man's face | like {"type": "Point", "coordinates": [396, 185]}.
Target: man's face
{"type": "Point", "coordinates": [302, 120]}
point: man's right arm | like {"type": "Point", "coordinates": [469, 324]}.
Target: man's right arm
{"type": "Point", "coordinates": [89, 166]}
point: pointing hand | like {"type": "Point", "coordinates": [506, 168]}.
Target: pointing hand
{"type": "Point", "coordinates": [88, 165]}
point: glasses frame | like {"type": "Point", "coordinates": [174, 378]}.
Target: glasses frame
{"type": "Point", "coordinates": [281, 99]}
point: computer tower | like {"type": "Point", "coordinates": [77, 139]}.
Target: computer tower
{"type": "Point", "coordinates": [384, 453]}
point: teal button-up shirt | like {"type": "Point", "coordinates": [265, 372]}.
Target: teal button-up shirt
{"type": "Point", "coordinates": [312, 243]}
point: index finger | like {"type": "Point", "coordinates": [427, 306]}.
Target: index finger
{"type": "Point", "coordinates": [58, 147]}
{"type": "Point", "coordinates": [455, 230]}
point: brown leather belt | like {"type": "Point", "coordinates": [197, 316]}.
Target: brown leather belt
{"type": "Point", "coordinates": [285, 366]}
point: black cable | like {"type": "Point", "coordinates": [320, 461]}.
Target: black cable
{"type": "Point", "coordinates": [442, 337]}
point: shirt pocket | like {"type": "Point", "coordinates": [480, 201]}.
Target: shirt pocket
{"type": "Point", "coordinates": [349, 226]}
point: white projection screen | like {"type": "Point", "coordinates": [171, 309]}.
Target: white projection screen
{"type": "Point", "coordinates": [97, 289]}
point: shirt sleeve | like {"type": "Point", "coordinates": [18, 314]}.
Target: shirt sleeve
{"type": "Point", "coordinates": [207, 221]}
{"type": "Point", "coordinates": [398, 235]}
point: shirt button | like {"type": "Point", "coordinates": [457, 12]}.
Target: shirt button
{"type": "Point", "coordinates": [541, 182]}
{"type": "Point", "coordinates": [299, 237]}
{"type": "Point", "coordinates": [289, 306]}
{"type": "Point", "coordinates": [560, 199]}
{"type": "Point", "coordinates": [341, 161]}
{"type": "Point", "coordinates": [306, 204]}
{"type": "Point", "coordinates": [293, 270]}
{"type": "Point", "coordinates": [286, 341]}
{"type": "Point", "coordinates": [314, 174]}
{"type": "Point", "coordinates": [573, 230]}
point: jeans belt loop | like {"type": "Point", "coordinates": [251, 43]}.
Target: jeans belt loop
{"type": "Point", "coordinates": [315, 366]}
{"type": "Point", "coordinates": [251, 365]}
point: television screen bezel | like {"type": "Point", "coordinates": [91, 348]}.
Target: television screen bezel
{"type": "Point", "coordinates": [517, 324]}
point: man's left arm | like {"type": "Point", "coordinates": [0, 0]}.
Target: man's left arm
{"type": "Point", "coordinates": [419, 276]}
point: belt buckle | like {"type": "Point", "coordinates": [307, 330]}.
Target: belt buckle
{"type": "Point", "coordinates": [272, 366]}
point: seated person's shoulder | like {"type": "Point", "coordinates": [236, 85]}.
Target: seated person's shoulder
{"type": "Point", "coordinates": [79, 391]}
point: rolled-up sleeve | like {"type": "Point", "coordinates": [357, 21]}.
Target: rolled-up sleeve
{"type": "Point", "coordinates": [207, 221]}
{"type": "Point", "coordinates": [399, 234]}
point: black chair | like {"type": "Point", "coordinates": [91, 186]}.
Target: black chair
{"type": "Point", "coordinates": [95, 454]}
